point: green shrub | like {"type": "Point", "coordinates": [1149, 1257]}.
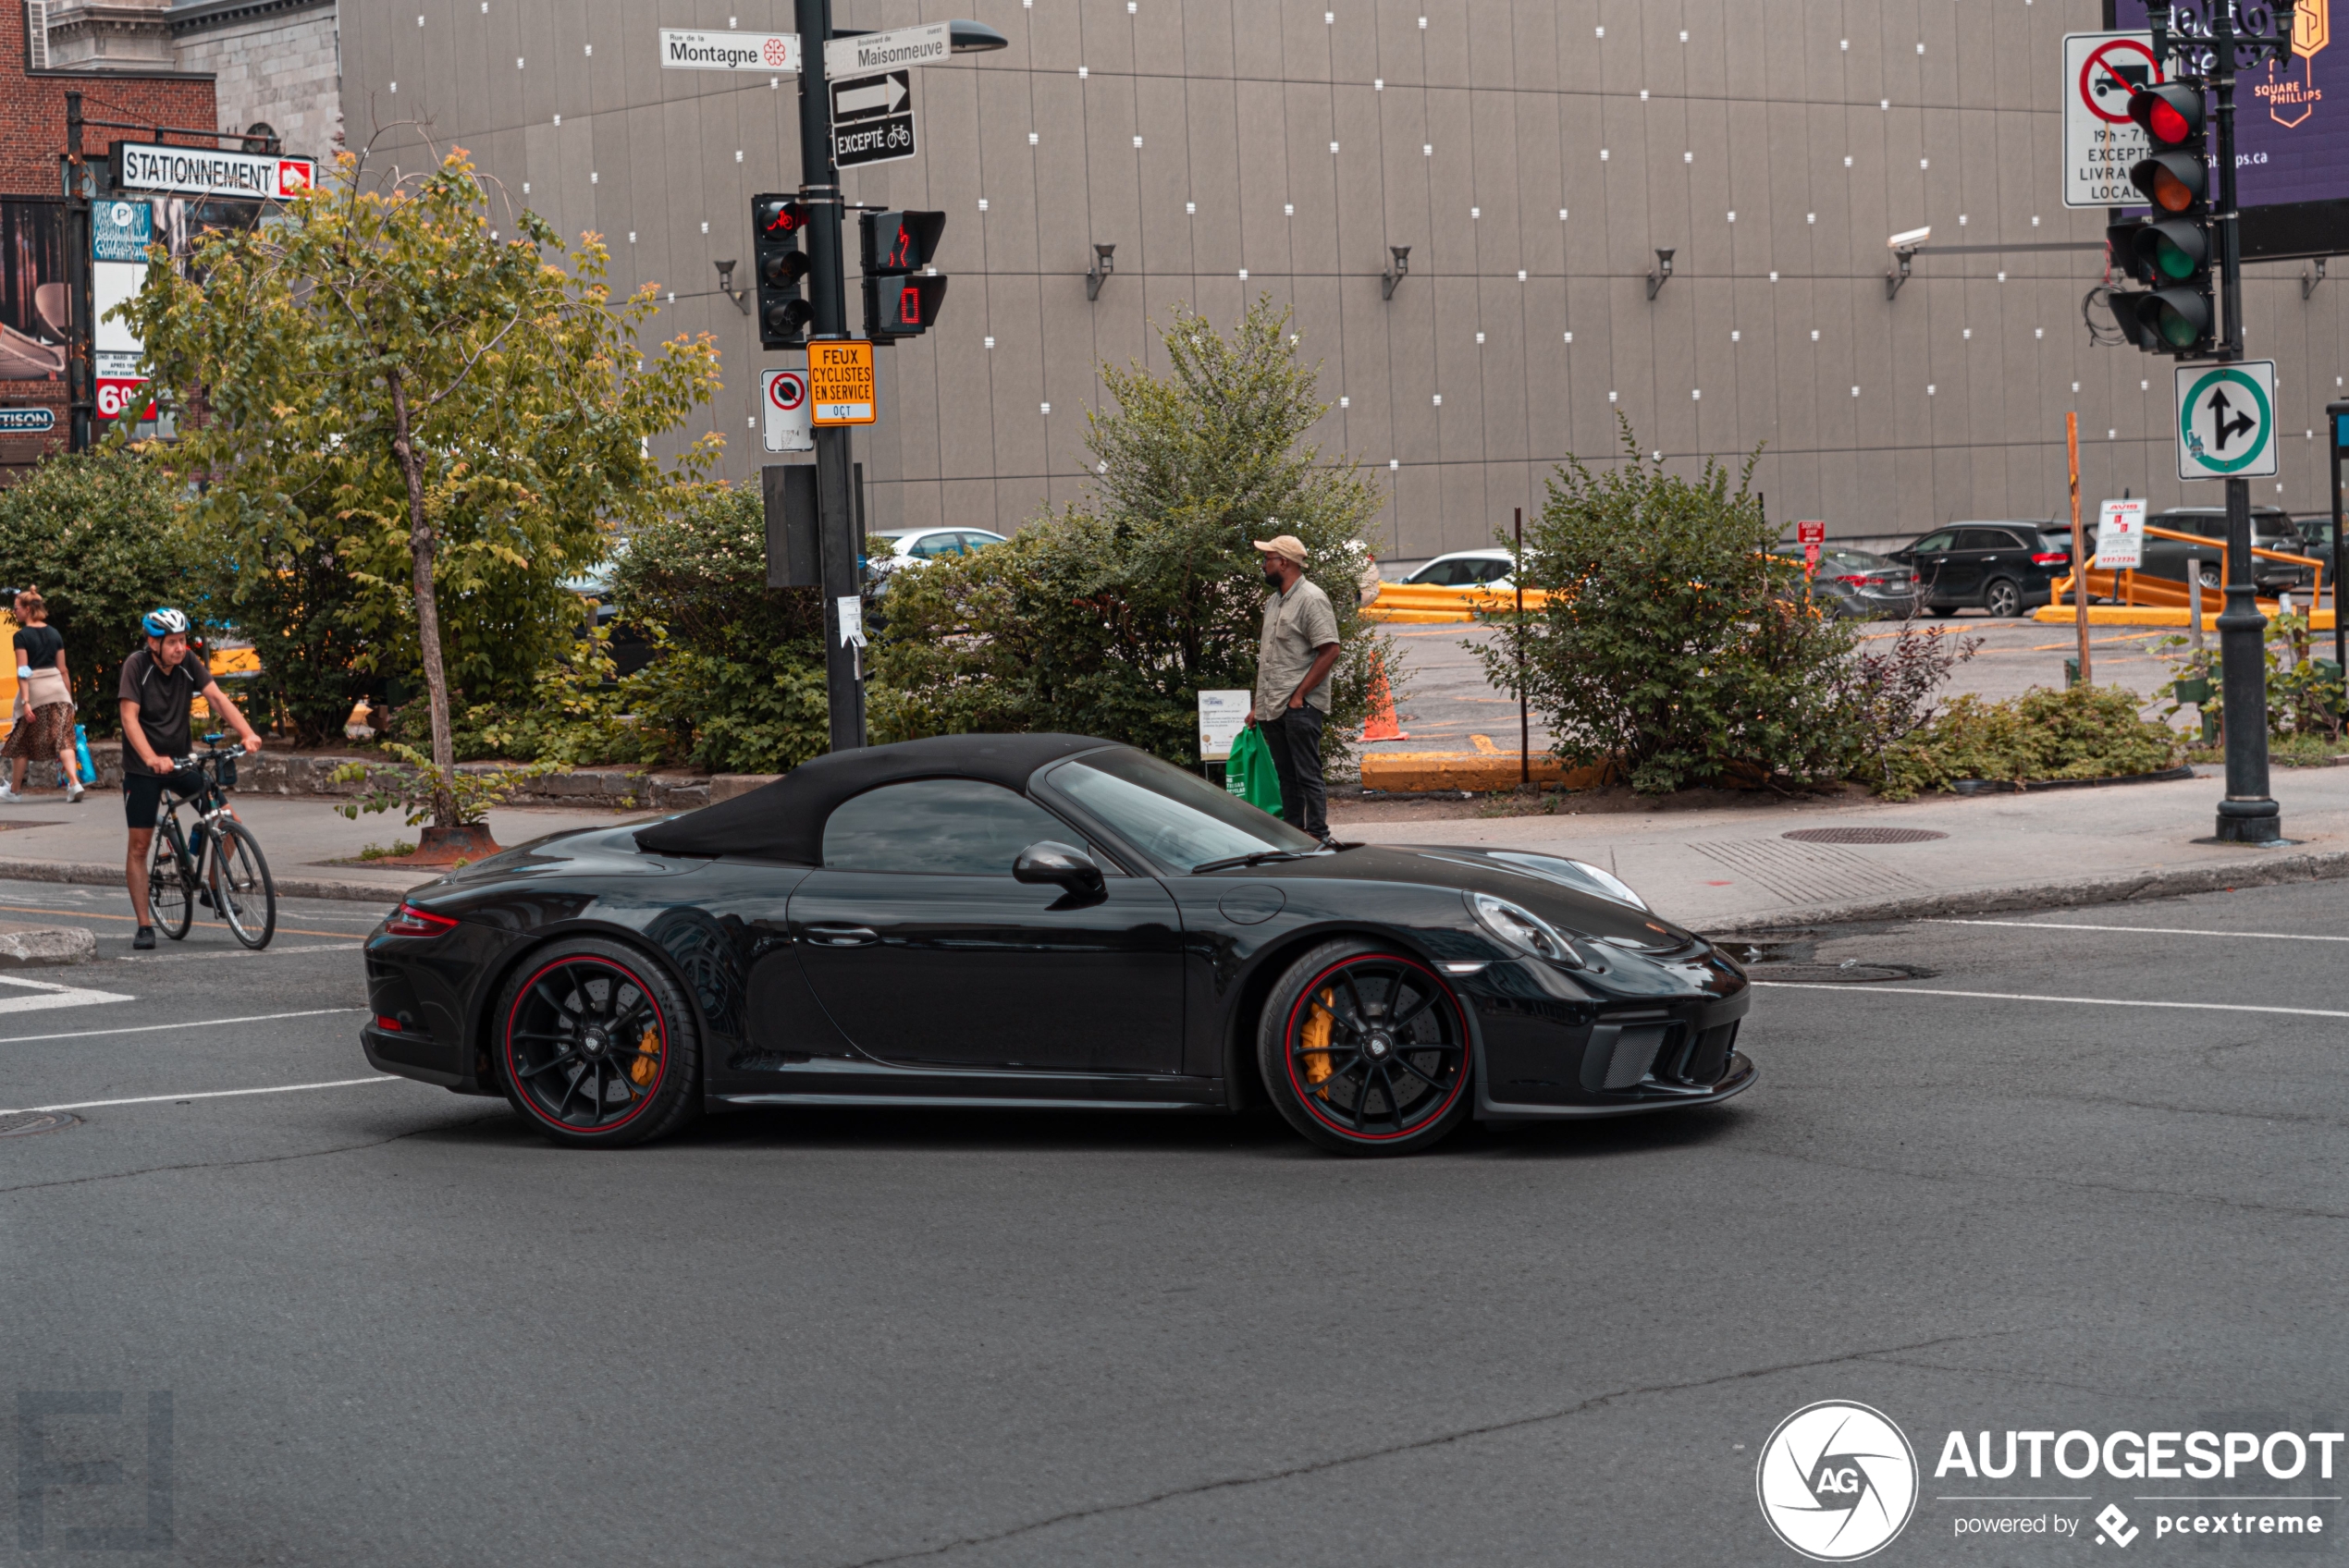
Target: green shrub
{"type": "Point", "coordinates": [1676, 645]}
{"type": "Point", "coordinates": [739, 687]}
{"type": "Point", "coordinates": [2080, 732]}
{"type": "Point", "coordinates": [97, 533]}
{"type": "Point", "coordinates": [1109, 618]}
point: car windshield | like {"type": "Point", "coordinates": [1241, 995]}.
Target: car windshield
{"type": "Point", "coordinates": [1176, 818]}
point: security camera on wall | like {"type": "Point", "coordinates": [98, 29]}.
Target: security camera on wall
{"type": "Point", "coordinates": [1907, 239]}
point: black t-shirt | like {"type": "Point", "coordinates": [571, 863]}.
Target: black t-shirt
{"type": "Point", "coordinates": [163, 696]}
{"type": "Point", "coordinates": [37, 646]}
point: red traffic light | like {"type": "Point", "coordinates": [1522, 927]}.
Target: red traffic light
{"type": "Point", "coordinates": [778, 218]}
{"type": "Point", "coordinates": [2170, 113]}
{"type": "Point", "coordinates": [909, 305]}
{"type": "Point", "coordinates": [899, 242]}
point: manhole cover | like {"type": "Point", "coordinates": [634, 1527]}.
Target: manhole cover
{"type": "Point", "coordinates": [24, 1124]}
{"type": "Point", "coordinates": [1863, 835]}
{"type": "Point", "coordinates": [1850, 972]}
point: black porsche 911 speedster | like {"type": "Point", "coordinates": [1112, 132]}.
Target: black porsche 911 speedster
{"type": "Point", "coordinates": [1029, 921]}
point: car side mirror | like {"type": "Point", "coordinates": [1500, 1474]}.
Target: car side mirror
{"type": "Point", "coordinates": [1060, 866]}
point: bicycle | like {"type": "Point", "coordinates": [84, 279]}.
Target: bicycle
{"type": "Point", "coordinates": [218, 864]}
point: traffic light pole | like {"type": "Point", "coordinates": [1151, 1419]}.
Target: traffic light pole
{"type": "Point", "coordinates": [828, 298]}
{"type": "Point", "coordinates": [2249, 814]}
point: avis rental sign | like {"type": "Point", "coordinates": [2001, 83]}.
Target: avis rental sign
{"type": "Point", "coordinates": [193, 171]}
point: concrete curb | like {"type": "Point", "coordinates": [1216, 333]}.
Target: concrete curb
{"type": "Point", "coordinates": [37, 947]}
{"type": "Point", "coordinates": [89, 874]}
{"type": "Point", "coordinates": [2269, 870]}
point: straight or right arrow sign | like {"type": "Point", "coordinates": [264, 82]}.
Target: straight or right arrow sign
{"type": "Point", "coordinates": [2226, 420]}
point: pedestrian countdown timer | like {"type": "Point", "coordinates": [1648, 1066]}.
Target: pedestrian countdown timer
{"type": "Point", "coordinates": [2226, 420]}
{"type": "Point", "coordinates": [840, 382]}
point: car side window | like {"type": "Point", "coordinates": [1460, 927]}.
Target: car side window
{"type": "Point", "coordinates": [937, 827]}
{"type": "Point", "coordinates": [974, 541]}
{"type": "Point", "coordinates": [1983, 539]}
{"type": "Point", "coordinates": [929, 546]}
{"type": "Point", "coordinates": [1937, 543]}
{"type": "Point", "coordinates": [1492, 572]}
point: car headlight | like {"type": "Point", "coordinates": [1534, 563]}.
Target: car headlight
{"type": "Point", "coordinates": [1616, 886]}
{"type": "Point", "coordinates": [1522, 930]}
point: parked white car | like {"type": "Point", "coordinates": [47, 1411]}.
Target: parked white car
{"type": "Point", "coordinates": [913, 546]}
{"type": "Point", "coordinates": [1467, 569]}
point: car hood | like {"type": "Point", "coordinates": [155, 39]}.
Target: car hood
{"type": "Point", "coordinates": [1548, 884]}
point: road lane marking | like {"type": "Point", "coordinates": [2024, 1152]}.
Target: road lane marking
{"type": "Point", "coordinates": [207, 954]}
{"type": "Point", "coordinates": [132, 919]}
{"type": "Point", "coordinates": [209, 1095]}
{"type": "Point", "coordinates": [2148, 930]}
{"type": "Point", "coordinates": [2024, 996]}
{"type": "Point", "coordinates": [45, 996]}
{"type": "Point", "coordinates": [190, 1023]}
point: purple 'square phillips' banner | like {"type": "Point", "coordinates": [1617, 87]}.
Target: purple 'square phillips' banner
{"type": "Point", "coordinates": [2291, 116]}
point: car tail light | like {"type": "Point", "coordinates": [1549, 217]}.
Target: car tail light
{"type": "Point", "coordinates": [1853, 578]}
{"type": "Point", "coordinates": [409, 921]}
{"type": "Point", "coordinates": [390, 1024]}
{"type": "Point", "coordinates": [2051, 558]}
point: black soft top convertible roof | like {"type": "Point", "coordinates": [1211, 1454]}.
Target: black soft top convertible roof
{"type": "Point", "coordinates": [784, 821]}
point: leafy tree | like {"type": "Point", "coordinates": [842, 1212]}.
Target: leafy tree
{"type": "Point", "coordinates": [96, 534]}
{"type": "Point", "coordinates": [382, 385]}
{"type": "Point", "coordinates": [740, 688]}
{"type": "Point", "coordinates": [1109, 618]}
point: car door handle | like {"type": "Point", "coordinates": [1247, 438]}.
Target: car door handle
{"type": "Point", "coordinates": [842, 936]}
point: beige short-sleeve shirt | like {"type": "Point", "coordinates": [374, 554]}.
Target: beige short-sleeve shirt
{"type": "Point", "coordinates": [1295, 624]}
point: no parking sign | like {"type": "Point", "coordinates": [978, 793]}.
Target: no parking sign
{"type": "Point", "coordinates": [783, 394]}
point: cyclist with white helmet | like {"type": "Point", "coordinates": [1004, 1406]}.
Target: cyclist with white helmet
{"type": "Point", "coordinates": [158, 687]}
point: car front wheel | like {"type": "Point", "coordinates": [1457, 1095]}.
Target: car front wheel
{"type": "Point", "coordinates": [2003, 599]}
{"type": "Point", "coordinates": [596, 1046]}
{"type": "Point", "coordinates": [1365, 1050]}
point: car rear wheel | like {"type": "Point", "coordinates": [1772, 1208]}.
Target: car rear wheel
{"type": "Point", "coordinates": [1365, 1050]}
{"type": "Point", "coordinates": [2003, 599]}
{"type": "Point", "coordinates": [2210, 575]}
{"type": "Point", "coordinates": [596, 1046]}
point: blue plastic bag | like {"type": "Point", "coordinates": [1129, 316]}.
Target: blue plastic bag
{"type": "Point", "coordinates": [81, 755]}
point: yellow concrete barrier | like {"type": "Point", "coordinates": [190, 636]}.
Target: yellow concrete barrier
{"type": "Point", "coordinates": [1416, 773]}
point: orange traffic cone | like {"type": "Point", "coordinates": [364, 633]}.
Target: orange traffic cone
{"type": "Point", "coordinates": [1381, 724]}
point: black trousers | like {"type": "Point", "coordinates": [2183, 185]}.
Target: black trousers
{"type": "Point", "coordinates": [1296, 740]}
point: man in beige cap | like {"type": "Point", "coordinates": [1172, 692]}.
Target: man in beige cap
{"type": "Point", "coordinates": [1292, 664]}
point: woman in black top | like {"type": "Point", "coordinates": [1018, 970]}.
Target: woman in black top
{"type": "Point", "coordinates": [43, 727]}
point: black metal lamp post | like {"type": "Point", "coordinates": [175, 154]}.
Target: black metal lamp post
{"type": "Point", "coordinates": [2210, 42]}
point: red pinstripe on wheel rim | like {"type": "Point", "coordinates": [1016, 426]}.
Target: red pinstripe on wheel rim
{"type": "Point", "coordinates": [618, 974]}
{"type": "Point", "coordinates": [1308, 1093]}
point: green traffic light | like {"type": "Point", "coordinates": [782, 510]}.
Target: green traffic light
{"type": "Point", "coordinates": [2172, 259]}
{"type": "Point", "coordinates": [2177, 331]}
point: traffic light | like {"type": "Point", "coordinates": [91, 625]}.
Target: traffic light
{"type": "Point", "coordinates": [2169, 251]}
{"type": "Point", "coordinates": [777, 224]}
{"type": "Point", "coordinates": [900, 301]}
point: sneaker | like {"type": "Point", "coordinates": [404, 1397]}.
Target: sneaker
{"type": "Point", "coordinates": [74, 792]}
{"type": "Point", "coordinates": [203, 897]}
{"type": "Point", "coordinates": [145, 937]}
{"type": "Point", "coordinates": [9, 797]}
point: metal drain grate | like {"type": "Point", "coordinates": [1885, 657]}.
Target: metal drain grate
{"type": "Point", "coordinates": [1863, 835]}
{"type": "Point", "coordinates": [1851, 972]}
{"type": "Point", "coordinates": [25, 1122]}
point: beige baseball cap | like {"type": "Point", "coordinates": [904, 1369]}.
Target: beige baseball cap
{"type": "Point", "coordinates": [1287, 545]}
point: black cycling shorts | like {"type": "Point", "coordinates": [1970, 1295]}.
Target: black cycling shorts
{"type": "Point", "coordinates": [142, 793]}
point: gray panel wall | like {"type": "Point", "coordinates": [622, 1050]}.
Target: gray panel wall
{"type": "Point", "coordinates": [1532, 154]}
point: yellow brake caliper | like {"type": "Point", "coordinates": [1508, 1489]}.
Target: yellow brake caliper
{"type": "Point", "coordinates": [1317, 1040]}
{"type": "Point", "coordinates": [645, 1066]}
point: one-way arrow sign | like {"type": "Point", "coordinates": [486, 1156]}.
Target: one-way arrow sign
{"type": "Point", "coordinates": [871, 96]}
{"type": "Point", "coordinates": [873, 118]}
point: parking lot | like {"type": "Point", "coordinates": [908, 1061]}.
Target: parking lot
{"type": "Point", "coordinates": [2081, 1172]}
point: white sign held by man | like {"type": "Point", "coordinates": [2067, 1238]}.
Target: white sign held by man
{"type": "Point", "coordinates": [2121, 536]}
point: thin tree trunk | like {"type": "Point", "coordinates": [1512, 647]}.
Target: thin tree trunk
{"type": "Point", "coordinates": [444, 755]}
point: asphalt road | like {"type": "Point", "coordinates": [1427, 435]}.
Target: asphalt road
{"type": "Point", "coordinates": [395, 1328]}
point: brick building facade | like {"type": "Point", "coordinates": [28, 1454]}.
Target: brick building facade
{"type": "Point", "coordinates": [32, 277]}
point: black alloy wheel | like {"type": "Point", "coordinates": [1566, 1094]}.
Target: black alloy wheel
{"type": "Point", "coordinates": [1365, 1050]}
{"type": "Point", "coordinates": [171, 898]}
{"type": "Point", "coordinates": [2003, 599]}
{"type": "Point", "coordinates": [596, 1046]}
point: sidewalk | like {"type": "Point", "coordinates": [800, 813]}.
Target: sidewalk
{"type": "Point", "coordinates": [1723, 870]}
{"type": "Point", "coordinates": [45, 839]}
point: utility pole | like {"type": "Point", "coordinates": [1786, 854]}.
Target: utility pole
{"type": "Point", "coordinates": [827, 298]}
{"type": "Point", "coordinates": [2212, 47]}
{"type": "Point", "coordinates": [81, 388]}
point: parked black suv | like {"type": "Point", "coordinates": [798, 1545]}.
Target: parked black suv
{"type": "Point", "coordinates": [2272, 529]}
{"type": "Point", "coordinates": [2005, 567]}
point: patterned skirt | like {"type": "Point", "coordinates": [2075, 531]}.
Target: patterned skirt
{"type": "Point", "coordinates": [45, 736]}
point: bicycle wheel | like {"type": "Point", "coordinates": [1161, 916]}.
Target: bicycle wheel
{"type": "Point", "coordinates": [171, 898]}
{"type": "Point", "coordinates": [243, 890]}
